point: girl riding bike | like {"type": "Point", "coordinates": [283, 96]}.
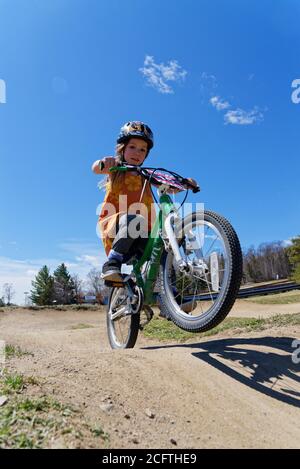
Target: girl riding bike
{"type": "Point", "coordinates": [196, 260]}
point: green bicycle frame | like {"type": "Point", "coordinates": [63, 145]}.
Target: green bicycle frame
{"type": "Point", "coordinates": [153, 252]}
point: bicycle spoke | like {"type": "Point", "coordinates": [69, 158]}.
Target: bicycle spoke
{"type": "Point", "coordinates": [115, 299]}
{"type": "Point", "coordinates": [211, 246]}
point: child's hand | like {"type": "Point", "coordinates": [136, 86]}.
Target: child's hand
{"type": "Point", "coordinates": [102, 166]}
{"type": "Point", "coordinates": [193, 182]}
{"type": "Point", "coordinates": [108, 161]}
{"type": "Point", "coordinates": [174, 190]}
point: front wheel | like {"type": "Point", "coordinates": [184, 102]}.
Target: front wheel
{"type": "Point", "coordinates": [123, 317]}
{"type": "Point", "coordinates": [200, 296]}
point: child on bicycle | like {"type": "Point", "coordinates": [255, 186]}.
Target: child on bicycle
{"type": "Point", "coordinates": [124, 231]}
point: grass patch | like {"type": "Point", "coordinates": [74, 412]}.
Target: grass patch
{"type": "Point", "coordinates": [163, 330]}
{"type": "Point", "coordinates": [13, 383]}
{"type": "Point", "coordinates": [12, 351]}
{"type": "Point", "coordinates": [280, 320]}
{"type": "Point", "coordinates": [81, 326]}
{"type": "Point", "coordinates": [41, 422]}
{"type": "Point", "coordinates": [85, 307]}
{"type": "Point", "coordinates": [99, 432]}
{"type": "Point", "coordinates": [16, 383]}
{"type": "Point", "coordinates": [277, 298]}
{"type": "Point", "coordinates": [32, 423]}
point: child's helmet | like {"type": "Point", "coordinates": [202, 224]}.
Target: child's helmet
{"type": "Point", "coordinates": [136, 129]}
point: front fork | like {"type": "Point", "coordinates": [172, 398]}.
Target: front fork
{"type": "Point", "coordinates": [198, 266]}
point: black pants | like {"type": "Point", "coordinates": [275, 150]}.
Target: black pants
{"type": "Point", "coordinates": [132, 236]}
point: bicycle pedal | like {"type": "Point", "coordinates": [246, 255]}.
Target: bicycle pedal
{"type": "Point", "coordinates": [109, 283]}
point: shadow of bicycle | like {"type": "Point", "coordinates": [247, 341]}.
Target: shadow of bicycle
{"type": "Point", "coordinates": [264, 364]}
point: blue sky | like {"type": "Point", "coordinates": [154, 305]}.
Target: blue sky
{"type": "Point", "coordinates": [213, 79]}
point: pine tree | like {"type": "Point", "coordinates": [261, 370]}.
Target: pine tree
{"type": "Point", "coordinates": [43, 288]}
{"type": "Point", "coordinates": [294, 258]}
{"type": "Point", "coordinates": [64, 287]}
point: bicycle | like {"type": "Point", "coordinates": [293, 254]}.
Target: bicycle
{"type": "Point", "coordinates": [197, 261]}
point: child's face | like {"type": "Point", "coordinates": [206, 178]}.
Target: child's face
{"type": "Point", "coordinates": [135, 151]}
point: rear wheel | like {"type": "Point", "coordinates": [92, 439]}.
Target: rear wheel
{"type": "Point", "coordinates": [200, 297]}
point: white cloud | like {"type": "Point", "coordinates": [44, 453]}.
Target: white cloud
{"type": "Point", "coordinates": [288, 242]}
{"type": "Point", "coordinates": [219, 103]}
{"type": "Point", "coordinates": [241, 117]}
{"type": "Point", "coordinates": [20, 274]}
{"type": "Point", "coordinates": [92, 260]}
{"type": "Point", "coordinates": [79, 257]}
{"type": "Point", "coordinates": [88, 253]}
{"type": "Point", "coordinates": [236, 116]}
{"type": "Point", "coordinates": [157, 75]}
{"type": "Point", "coordinates": [32, 272]}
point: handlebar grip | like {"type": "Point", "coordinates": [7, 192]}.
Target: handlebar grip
{"type": "Point", "coordinates": [125, 168]}
{"type": "Point", "coordinates": [117, 168]}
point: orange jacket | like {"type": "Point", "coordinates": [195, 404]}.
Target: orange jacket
{"type": "Point", "coordinates": [124, 196]}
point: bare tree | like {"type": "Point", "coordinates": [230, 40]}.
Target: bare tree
{"type": "Point", "coordinates": [8, 292]}
{"type": "Point", "coordinates": [95, 285]}
{"type": "Point", "coordinates": [95, 282]}
{"type": "Point", "coordinates": [78, 288]}
{"type": "Point", "coordinates": [268, 262]}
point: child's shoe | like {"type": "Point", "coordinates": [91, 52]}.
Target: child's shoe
{"type": "Point", "coordinates": [111, 271]}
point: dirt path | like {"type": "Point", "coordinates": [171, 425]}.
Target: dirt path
{"type": "Point", "coordinates": [246, 308]}
{"type": "Point", "coordinates": [231, 391]}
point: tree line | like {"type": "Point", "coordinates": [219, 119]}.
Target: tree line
{"type": "Point", "coordinates": [64, 288]}
{"type": "Point", "coordinates": [59, 288]}
{"type": "Point", "coordinates": [270, 261]}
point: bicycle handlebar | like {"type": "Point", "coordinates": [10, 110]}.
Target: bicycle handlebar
{"type": "Point", "coordinates": [145, 173]}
